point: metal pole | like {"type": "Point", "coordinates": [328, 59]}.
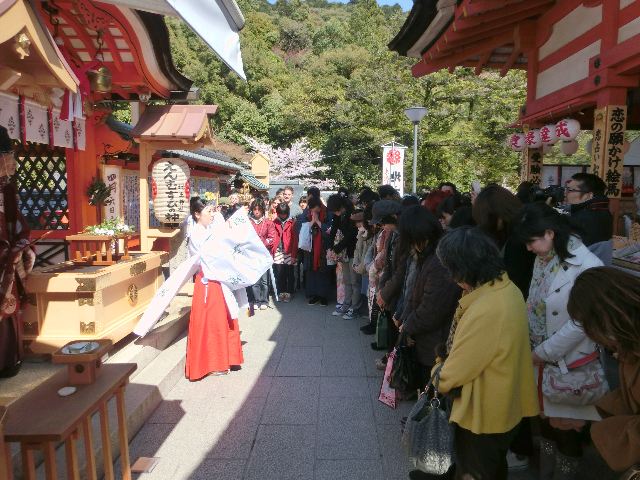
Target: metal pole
{"type": "Point", "coordinates": [415, 156]}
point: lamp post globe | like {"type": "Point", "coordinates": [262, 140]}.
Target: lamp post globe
{"type": "Point", "coordinates": [415, 114]}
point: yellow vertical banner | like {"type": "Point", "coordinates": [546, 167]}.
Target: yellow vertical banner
{"type": "Point", "coordinates": [613, 166]}
{"type": "Point", "coordinates": [599, 141]}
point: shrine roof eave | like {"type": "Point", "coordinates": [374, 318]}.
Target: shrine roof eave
{"type": "Point", "coordinates": [197, 157]}
{"type": "Point", "coordinates": [188, 124]}
{"type": "Point", "coordinates": [41, 62]}
{"type": "Point", "coordinates": [426, 22]}
{"type": "Point", "coordinates": [159, 34]}
{"type": "Point", "coordinates": [419, 18]}
{"type": "Point", "coordinates": [216, 22]}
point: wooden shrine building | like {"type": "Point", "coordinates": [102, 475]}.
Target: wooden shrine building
{"type": "Point", "coordinates": [582, 59]}
{"type": "Point", "coordinates": [64, 67]}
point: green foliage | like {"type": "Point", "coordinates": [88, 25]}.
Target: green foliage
{"type": "Point", "coordinates": [322, 71]}
{"type": "Point", "coordinates": [98, 192]}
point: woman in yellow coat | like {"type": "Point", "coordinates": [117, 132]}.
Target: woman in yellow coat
{"type": "Point", "coordinates": [488, 369]}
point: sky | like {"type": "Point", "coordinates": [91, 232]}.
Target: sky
{"type": "Point", "coordinates": [405, 4]}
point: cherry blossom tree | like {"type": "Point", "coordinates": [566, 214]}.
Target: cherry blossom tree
{"type": "Point", "coordinates": [300, 161]}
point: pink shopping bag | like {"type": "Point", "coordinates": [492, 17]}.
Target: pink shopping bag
{"type": "Point", "coordinates": [388, 395]}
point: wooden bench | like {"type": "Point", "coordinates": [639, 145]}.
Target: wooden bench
{"type": "Point", "coordinates": [42, 419]}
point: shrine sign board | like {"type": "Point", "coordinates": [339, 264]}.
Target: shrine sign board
{"type": "Point", "coordinates": [613, 166]}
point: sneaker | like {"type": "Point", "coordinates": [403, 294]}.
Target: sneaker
{"type": "Point", "coordinates": [323, 302]}
{"type": "Point", "coordinates": [314, 300]}
{"type": "Point", "coordinates": [381, 363]}
{"type": "Point", "coordinates": [287, 297]}
{"type": "Point", "coordinates": [350, 315]}
{"type": "Point", "coordinates": [338, 312]}
{"type": "Point", "coordinates": [263, 307]}
{"type": "Point", "coordinates": [517, 462]}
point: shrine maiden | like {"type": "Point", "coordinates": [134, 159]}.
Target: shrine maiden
{"type": "Point", "coordinates": [213, 341]}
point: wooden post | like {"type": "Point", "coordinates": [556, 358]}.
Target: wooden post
{"type": "Point", "coordinates": [71, 452]}
{"type": "Point", "coordinates": [50, 468]}
{"type": "Point", "coordinates": [28, 465]}
{"type": "Point", "coordinates": [6, 464]}
{"type": "Point", "coordinates": [123, 436]}
{"type": "Point", "coordinates": [145, 161]}
{"type": "Point", "coordinates": [88, 448]}
{"type": "Point", "coordinates": [106, 441]}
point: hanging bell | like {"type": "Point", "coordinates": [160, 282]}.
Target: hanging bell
{"type": "Point", "coordinates": [100, 80]}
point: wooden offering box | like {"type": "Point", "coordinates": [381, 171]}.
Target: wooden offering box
{"type": "Point", "coordinates": [96, 249]}
{"type": "Point", "coordinates": [74, 302]}
{"type": "Point", "coordinates": [82, 367]}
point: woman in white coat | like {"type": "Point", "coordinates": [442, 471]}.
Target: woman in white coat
{"type": "Point", "coordinates": [556, 340]}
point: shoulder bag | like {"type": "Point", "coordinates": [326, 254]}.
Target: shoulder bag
{"type": "Point", "coordinates": [582, 382]}
{"type": "Point", "coordinates": [428, 436]}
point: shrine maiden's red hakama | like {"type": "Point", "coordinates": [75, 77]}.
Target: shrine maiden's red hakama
{"type": "Point", "coordinates": [213, 341]}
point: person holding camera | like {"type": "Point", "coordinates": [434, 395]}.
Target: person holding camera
{"type": "Point", "coordinates": [589, 211]}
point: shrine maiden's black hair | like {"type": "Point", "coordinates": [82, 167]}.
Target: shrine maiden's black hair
{"type": "Point", "coordinates": [196, 205]}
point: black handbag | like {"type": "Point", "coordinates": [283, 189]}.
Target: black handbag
{"type": "Point", "coordinates": [405, 374]}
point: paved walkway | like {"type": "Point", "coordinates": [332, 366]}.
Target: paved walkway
{"type": "Point", "coordinates": [304, 406]}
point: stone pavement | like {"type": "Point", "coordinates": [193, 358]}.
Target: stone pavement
{"type": "Point", "coordinates": [304, 406]}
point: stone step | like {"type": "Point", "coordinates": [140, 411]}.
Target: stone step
{"type": "Point", "coordinates": [142, 351]}
{"type": "Point", "coordinates": [160, 360]}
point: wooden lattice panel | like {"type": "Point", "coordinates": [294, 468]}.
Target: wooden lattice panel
{"type": "Point", "coordinates": [41, 176]}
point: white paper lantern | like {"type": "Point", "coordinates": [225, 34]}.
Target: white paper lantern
{"type": "Point", "coordinates": [548, 135]}
{"type": "Point", "coordinates": [170, 190]}
{"type": "Point", "coordinates": [570, 147]}
{"type": "Point", "coordinates": [516, 142]}
{"type": "Point", "coordinates": [567, 129]}
{"type": "Point", "coordinates": [532, 138]}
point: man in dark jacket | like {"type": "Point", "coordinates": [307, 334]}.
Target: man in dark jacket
{"type": "Point", "coordinates": [589, 210]}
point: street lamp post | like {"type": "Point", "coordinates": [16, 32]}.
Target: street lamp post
{"type": "Point", "coordinates": [415, 114]}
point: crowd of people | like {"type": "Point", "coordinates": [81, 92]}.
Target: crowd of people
{"type": "Point", "coordinates": [512, 295]}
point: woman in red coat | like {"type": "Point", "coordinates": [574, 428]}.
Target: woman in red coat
{"type": "Point", "coordinates": [284, 251]}
{"type": "Point", "coordinates": [259, 292]}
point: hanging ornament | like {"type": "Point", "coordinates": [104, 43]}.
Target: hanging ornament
{"type": "Point", "coordinates": [532, 138]}
{"type": "Point", "coordinates": [548, 135]}
{"type": "Point", "coordinates": [589, 146]}
{"type": "Point", "coordinates": [570, 147]}
{"type": "Point", "coordinates": [567, 129]}
{"type": "Point", "coordinates": [516, 142]}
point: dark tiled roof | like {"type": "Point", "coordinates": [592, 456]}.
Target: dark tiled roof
{"type": "Point", "coordinates": [208, 159]}
{"type": "Point", "coordinates": [248, 177]}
